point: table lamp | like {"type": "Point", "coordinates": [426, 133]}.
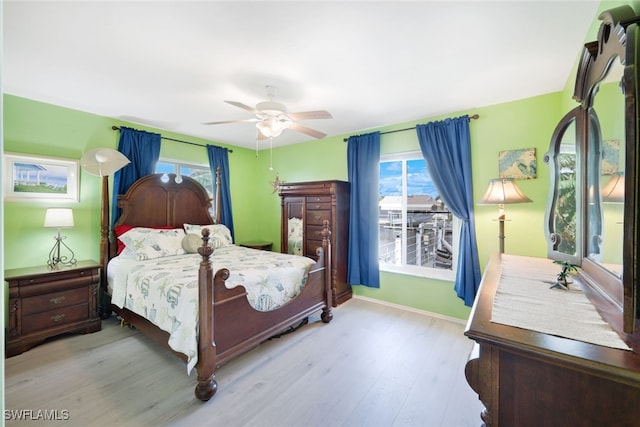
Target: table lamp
{"type": "Point", "coordinates": [500, 192]}
{"type": "Point", "coordinates": [59, 218]}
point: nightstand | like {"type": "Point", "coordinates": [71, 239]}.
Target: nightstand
{"type": "Point", "coordinates": [45, 302]}
{"type": "Point", "coordinates": [264, 246]}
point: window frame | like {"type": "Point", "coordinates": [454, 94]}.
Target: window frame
{"type": "Point", "coordinates": [414, 270]}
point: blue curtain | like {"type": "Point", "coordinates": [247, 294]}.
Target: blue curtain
{"type": "Point", "coordinates": [363, 160]}
{"type": "Point", "coordinates": [446, 147]}
{"type": "Point", "coordinates": [219, 157]}
{"type": "Point", "coordinates": [143, 150]}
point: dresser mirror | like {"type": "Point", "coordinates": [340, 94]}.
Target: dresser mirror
{"type": "Point", "coordinates": [591, 217]}
{"type": "Point", "coordinates": [563, 219]}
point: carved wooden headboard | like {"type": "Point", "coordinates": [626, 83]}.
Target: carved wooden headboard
{"type": "Point", "coordinates": [158, 200]}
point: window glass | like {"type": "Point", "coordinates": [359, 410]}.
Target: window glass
{"type": "Point", "coordinates": [200, 173]}
{"type": "Point", "coordinates": [416, 228]}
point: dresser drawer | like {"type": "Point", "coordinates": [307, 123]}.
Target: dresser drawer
{"type": "Point", "coordinates": [54, 301]}
{"type": "Point", "coordinates": [318, 199]}
{"type": "Point", "coordinates": [53, 318]}
{"type": "Point", "coordinates": [314, 217]}
{"type": "Point", "coordinates": [314, 232]}
{"type": "Point", "coordinates": [316, 203]}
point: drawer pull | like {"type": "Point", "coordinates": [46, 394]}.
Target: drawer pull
{"type": "Point", "coordinates": [317, 217]}
{"type": "Point", "coordinates": [57, 317]}
{"type": "Point", "coordinates": [57, 300]}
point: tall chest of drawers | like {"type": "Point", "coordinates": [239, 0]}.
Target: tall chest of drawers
{"type": "Point", "coordinates": [313, 203]}
{"type": "Point", "coordinates": [45, 302]}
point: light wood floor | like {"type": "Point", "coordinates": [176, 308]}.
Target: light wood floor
{"type": "Point", "coordinates": [373, 365]}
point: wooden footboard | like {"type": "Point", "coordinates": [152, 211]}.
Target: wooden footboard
{"type": "Point", "coordinates": [229, 326]}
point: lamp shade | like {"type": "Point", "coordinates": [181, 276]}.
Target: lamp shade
{"type": "Point", "coordinates": [58, 218]}
{"type": "Point", "coordinates": [502, 191]}
{"type": "Point", "coordinates": [103, 161]}
{"type": "Point", "coordinates": [613, 192]}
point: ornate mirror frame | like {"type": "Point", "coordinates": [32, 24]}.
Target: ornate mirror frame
{"type": "Point", "coordinates": [618, 38]}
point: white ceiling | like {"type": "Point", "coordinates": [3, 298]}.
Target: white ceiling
{"type": "Point", "coordinates": [172, 64]}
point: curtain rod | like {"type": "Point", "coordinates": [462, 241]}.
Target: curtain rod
{"type": "Point", "coordinates": [114, 127]}
{"type": "Point", "coordinates": [474, 117]}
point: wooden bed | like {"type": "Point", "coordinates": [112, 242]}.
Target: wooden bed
{"type": "Point", "coordinates": [228, 325]}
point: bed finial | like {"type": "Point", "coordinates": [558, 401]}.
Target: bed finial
{"type": "Point", "coordinates": [205, 250]}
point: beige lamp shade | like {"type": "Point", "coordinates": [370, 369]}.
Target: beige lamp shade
{"type": "Point", "coordinates": [502, 191]}
{"type": "Point", "coordinates": [58, 218]}
{"type": "Point", "coordinates": [103, 161]}
{"type": "Point", "coordinates": [613, 192]}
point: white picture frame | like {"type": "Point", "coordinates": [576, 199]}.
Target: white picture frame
{"type": "Point", "coordinates": [39, 178]}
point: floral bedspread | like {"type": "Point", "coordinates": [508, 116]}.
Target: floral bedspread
{"type": "Point", "coordinates": [165, 290]}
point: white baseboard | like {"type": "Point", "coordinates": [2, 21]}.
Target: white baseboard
{"type": "Point", "coordinates": [411, 309]}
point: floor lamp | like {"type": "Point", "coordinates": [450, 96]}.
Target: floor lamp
{"type": "Point", "coordinates": [103, 162]}
{"type": "Point", "coordinates": [500, 192]}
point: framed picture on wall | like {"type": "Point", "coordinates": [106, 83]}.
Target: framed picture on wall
{"type": "Point", "coordinates": [610, 156]}
{"type": "Point", "coordinates": [37, 178]}
{"type": "Point", "coordinates": [517, 164]}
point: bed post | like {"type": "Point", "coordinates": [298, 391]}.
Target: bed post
{"type": "Point", "coordinates": [206, 367]}
{"type": "Point", "coordinates": [218, 199]}
{"type": "Point", "coordinates": [327, 315]}
{"type": "Point", "coordinates": [103, 304]}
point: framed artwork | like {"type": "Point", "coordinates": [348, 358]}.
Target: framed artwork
{"type": "Point", "coordinates": [517, 164]}
{"type": "Point", "coordinates": [36, 178]}
{"type": "Point", "coordinates": [610, 156]}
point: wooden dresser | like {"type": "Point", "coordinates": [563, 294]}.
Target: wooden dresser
{"type": "Point", "coordinates": [45, 302]}
{"type": "Point", "coordinates": [525, 378]}
{"type": "Point", "coordinates": [313, 203]}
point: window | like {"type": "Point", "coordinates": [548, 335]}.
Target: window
{"type": "Point", "coordinates": [200, 173]}
{"type": "Point", "coordinates": [416, 234]}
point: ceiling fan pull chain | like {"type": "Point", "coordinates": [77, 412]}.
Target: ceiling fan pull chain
{"type": "Point", "coordinates": [271, 153]}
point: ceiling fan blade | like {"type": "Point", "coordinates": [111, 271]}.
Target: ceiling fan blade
{"type": "Point", "coordinates": [231, 121]}
{"type": "Point", "coordinates": [309, 115]}
{"type": "Point", "coordinates": [303, 129]}
{"type": "Point", "coordinates": [243, 106]}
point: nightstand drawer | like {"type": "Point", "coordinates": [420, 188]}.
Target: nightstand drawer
{"type": "Point", "coordinates": [56, 281]}
{"type": "Point", "coordinates": [54, 301]}
{"type": "Point", "coordinates": [53, 318]}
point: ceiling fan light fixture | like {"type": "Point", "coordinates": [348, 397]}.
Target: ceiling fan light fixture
{"type": "Point", "coordinates": [271, 127]}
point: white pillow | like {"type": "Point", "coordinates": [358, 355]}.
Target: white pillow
{"type": "Point", "coordinates": [150, 243]}
{"type": "Point", "coordinates": [191, 243]}
{"type": "Point", "coordinates": [219, 234]}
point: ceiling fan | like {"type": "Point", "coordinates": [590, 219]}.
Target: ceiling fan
{"type": "Point", "coordinates": [272, 118]}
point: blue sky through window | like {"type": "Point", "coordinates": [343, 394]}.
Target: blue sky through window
{"type": "Point", "coordinates": [418, 179]}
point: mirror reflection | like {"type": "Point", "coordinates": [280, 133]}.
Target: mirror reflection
{"type": "Point", "coordinates": [564, 215]}
{"type": "Point", "coordinates": [609, 106]}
